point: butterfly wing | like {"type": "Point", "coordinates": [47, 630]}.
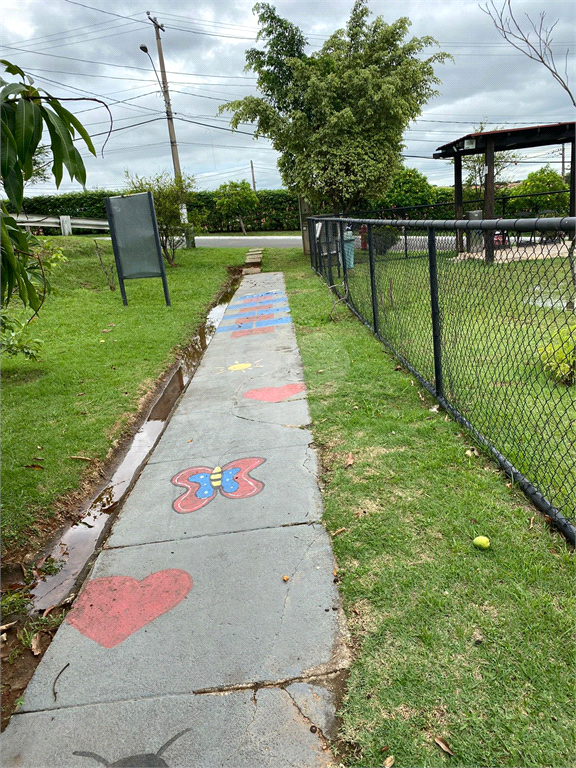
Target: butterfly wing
{"type": "Point", "coordinates": [236, 480]}
{"type": "Point", "coordinates": [199, 489]}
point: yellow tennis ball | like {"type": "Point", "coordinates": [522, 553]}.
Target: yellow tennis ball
{"type": "Point", "coordinates": [482, 542]}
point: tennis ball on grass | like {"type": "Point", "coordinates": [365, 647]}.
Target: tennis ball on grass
{"type": "Point", "coordinates": [482, 542]}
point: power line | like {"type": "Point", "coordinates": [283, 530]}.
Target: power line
{"type": "Point", "coordinates": [127, 66]}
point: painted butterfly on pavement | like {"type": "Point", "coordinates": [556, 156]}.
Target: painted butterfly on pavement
{"type": "Point", "coordinates": [203, 483]}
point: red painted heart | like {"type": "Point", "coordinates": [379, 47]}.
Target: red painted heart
{"type": "Point", "coordinates": [275, 394]}
{"type": "Point", "coordinates": [112, 608]}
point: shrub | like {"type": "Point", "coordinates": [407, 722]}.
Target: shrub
{"type": "Point", "coordinates": [558, 356]}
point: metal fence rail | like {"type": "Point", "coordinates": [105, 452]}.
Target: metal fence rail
{"type": "Point", "coordinates": [482, 313]}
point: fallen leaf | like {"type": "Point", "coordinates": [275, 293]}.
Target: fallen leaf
{"type": "Point", "coordinates": [47, 611]}
{"type": "Point", "coordinates": [434, 409]}
{"type": "Point", "coordinates": [40, 448]}
{"type": "Point", "coordinates": [285, 578]}
{"type": "Point", "coordinates": [508, 485]}
{"type": "Point", "coordinates": [112, 325]}
{"type": "Point", "coordinates": [33, 466]}
{"type": "Point", "coordinates": [472, 452]}
{"type": "Point", "coordinates": [191, 440]}
{"type": "Point", "coordinates": [355, 407]}
{"type": "Point", "coordinates": [340, 530]}
{"type": "Point", "coordinates": [4, 627]}
{"type": "Point", "coordinates": [398, 368]}
{"type": "Point", "coordinates": [102, 341]}
{"type": "Point", "coordinates": [3, 637]}
{"type": "Point", "coordinates": [443, 745]}
{"type": "Point", "coordinates": [349, 460]}
{"type": "Point", "coordinates": [80, 394]}
{"type": "Point", "coordinates": [389, 762]}
{"type": "Point", "coordinates": [421, 396]}
{"type": "Point", "coordinates": [531, 523]}
{"type": "Point", "coordinates": [35, 644]}
{"type": "Point", "coordinates": [80, 458]}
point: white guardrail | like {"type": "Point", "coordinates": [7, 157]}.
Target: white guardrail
{"type": "Point", "coordinates": [66, 223]}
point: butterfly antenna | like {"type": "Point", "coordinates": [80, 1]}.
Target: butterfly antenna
{"type": "Point", "coordinates": [171, 741]}
{"type": "Point", "coordinates": [94, 756]}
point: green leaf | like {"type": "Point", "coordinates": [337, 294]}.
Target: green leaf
{"type": "Point", "coordinates": [14, 187]}
{"type": "Point", "coordinates": [13, 69]}
{"type": "Point", "coordinates": [71, 120]}
{"type": "Point", "coordinates": [9, 153]}
{"type": "Point", "coordinates": [69, 156]}
{"type": "Point", "coordinates": [56, 146]}
{"type": "Point", "coordinates": [24, 128]}
{"type": "Point", "coordinates": [10, 90]}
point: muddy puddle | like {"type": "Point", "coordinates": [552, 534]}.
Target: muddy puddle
{"type": "Point", "coordinates": [73, 548]}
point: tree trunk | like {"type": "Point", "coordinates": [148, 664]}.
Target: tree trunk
{"type": "Point", "coordinates": [242, 224]}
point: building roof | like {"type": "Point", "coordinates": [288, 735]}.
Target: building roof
{"type": "Point", "coordinates": [509, 138]}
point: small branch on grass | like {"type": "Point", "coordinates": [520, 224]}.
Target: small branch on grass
{"type": "Point", "coordinates": [108, 271]}
{"type": "Point", "coordinates": [335, 302]}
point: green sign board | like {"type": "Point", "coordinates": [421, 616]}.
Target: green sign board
{"type": "Point", "coordinates": [135, 239]}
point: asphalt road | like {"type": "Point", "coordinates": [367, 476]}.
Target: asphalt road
{"type": "Point", "coordinates": [250, 241]}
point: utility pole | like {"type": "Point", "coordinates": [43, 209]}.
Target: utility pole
{"type": "Point", "coordinates": [254, 180]}
{"type": "Point", "coordinates": [169, 118]}
{"type": "Point", "coordinates": [166, 92]}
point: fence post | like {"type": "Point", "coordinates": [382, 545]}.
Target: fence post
{"type": "Point", "coordinates": [434, 305]}
{"type": "Point", "coordinates": [342, 256]}
{"type": "Point", "coordinates": [373, 280]}
{"type": "Point", "coordinates": [328, 252]}
{"type": "Point", "coordinates": [312, 242]}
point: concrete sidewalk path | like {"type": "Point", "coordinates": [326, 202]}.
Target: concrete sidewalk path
{"type": "Point", "coordinates": [210, 631]}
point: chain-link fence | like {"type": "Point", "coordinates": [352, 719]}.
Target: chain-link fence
{"type": "Point", "coordinates": [482, 312]}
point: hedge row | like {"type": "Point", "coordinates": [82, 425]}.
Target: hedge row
{"type": "Point", "coordinates": [277, 210]}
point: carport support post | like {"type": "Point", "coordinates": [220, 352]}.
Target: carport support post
{"type": "Point", "coordinates": [458, 201]}
{"type": "Point", "coordinates": [489, 199]}
{"type": "Point", "coordinates": [435, 308]}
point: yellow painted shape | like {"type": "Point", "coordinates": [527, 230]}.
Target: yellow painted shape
{"type": "Point", "coordinates": [239, 366]}
{"type": "Point", "coordinates": [216, 477]}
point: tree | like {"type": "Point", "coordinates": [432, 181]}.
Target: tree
{"type": "Point", "coordinates": [40, 166]}
{"type": "Point", "coordinates": [25, 112]}
{"type": "Point", "coordinates": [235, 199]}
{"type": "Point", "coordinates": [409, 188]}
{"type": "Point", "coordinates": [170, 195]}
{"type": "Point", "coordinates": [337, 116]}
{"type": "Point", "coordinates": [538, 48]}
{"type": "Point", "coordinates": [544, 180]}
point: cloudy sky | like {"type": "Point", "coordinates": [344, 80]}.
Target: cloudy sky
{"type": "Point", "coordinates": [92, 49]}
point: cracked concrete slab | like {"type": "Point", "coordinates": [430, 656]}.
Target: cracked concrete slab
{"type": "Point", "coordinates": [219, 434]}
{"type": "Point", "coordinates": [238, 729]}
{"type": "Point", "coordinates": [262, 608]}
{"type": "Point", "coordinates": [289, 496]}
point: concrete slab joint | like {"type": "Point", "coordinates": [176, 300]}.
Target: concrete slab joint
{"type": "Point", "coordinates": [209, 632]}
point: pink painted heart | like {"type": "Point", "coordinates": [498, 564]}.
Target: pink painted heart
{"type": "Point", "coordinates": [275, 394]}
{"type": "Point", "coordinates": [112, 608]}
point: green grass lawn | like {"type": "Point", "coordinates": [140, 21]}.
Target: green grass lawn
{"type": "Point", "coordinates": [97, 362]}
{"type": "Point", "coordinates": [493, 320]}
{"type": "Point", "coordinates": [475, 647]}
